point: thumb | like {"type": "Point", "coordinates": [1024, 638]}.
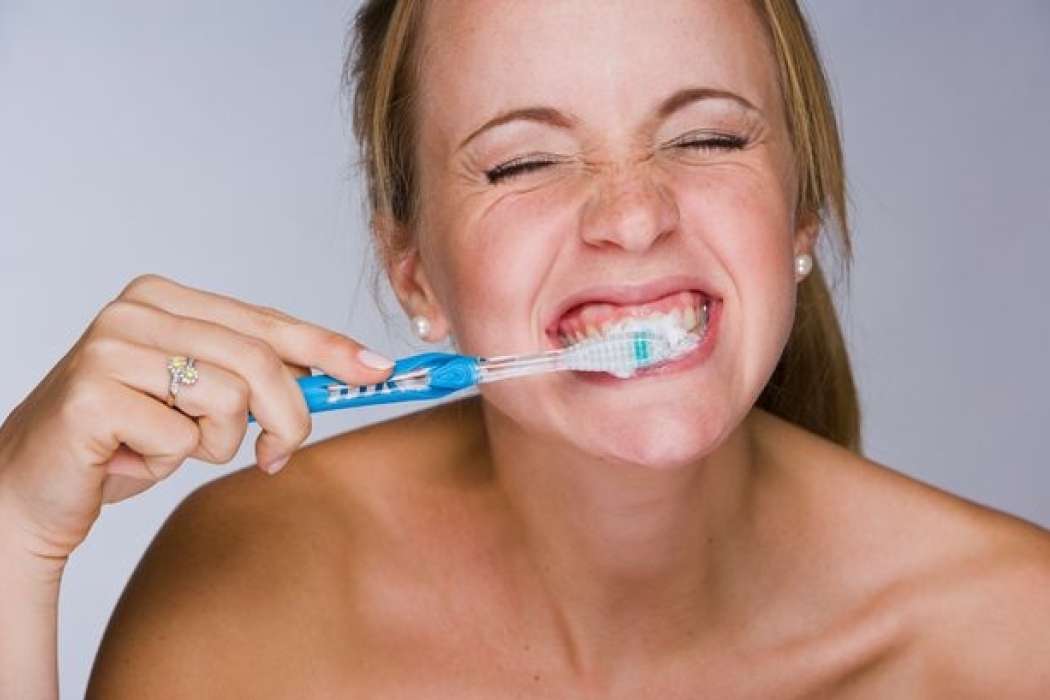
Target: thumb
{"type": "Point", "coordinates": [127, 462]}
{"type": "Point", "coordinates": [117, 487]}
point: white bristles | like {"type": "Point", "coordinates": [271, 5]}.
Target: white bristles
{"type": "Point", "coordinates": [634, 345]}
{"type": "Point", "coordinates": [639, 343]}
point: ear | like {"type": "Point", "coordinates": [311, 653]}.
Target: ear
{"type": "Point", "coordinates": [408, 278]}
{"type": "Point", "coordinates": [807, 232]}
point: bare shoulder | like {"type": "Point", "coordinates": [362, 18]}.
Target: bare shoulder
{"type": "Point", "coordinates": [967, 587]}
{"type": "Point", "coordinates": [989, 616]}
{"type": "Point", "coordinates": [188, 623]}
{"type": "Point", "coordinates": [248, 587]}
{"type": "Point", "coordinates": [914, 520]}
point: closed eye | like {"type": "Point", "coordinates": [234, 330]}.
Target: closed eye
{"type": "Point", "coordinates": [518, 166]}
{"type": "Point", "coordinates": [720, 142]}
{"type": "Point", "coordinates": [521, 166]}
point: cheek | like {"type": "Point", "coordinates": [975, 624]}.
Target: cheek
{"type": "Point", "coordinates": [500, 252]}
{"type": "Point", "coordinates": [742, 218]}
{"type": "Point", "coordinates": [758, 251]}
{"type": "Point", "coordinates": [500, 260]}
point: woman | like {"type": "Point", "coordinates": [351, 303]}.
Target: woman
{"type": "Point", "coordinates": [709, 529]}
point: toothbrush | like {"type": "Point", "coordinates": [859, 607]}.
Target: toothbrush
{"type": "Point", "coordinates": [637, 344]}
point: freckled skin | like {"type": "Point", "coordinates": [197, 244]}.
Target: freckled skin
{"type": "Point", "coordinates": [554, 539]}
{"type": "Point", "coordinates": [620, 206]}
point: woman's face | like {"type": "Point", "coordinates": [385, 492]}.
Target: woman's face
{"type": "Point", "coordinates": [630, 156]}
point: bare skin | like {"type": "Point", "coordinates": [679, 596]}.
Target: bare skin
{"type": "Point", "coordinates": [384, 563]}
{"type": "Point", "coordinates": [658, 537]}
{"type": "Point", "coordinates": [96, 430]}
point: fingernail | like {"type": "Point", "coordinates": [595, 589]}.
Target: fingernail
{"type": "Point", "coordinates": [275, 466]}
{"type": "Point", "coordinates": [373, 359]}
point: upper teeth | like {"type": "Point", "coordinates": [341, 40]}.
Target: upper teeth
{"type": "Point", "coordinates": [690, 318]}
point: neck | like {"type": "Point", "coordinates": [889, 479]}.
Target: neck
{"type": "Point", "coordinates": [630, 560]}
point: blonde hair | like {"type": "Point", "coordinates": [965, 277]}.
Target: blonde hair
{"type": "Point", "coordinates": [812, 384]}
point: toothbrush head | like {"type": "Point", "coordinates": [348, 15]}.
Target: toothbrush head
{"type": "Point", "coordinates": [637, 344]}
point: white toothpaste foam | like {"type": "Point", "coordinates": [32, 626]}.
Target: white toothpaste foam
{"type": "Point", "coordinates": [679, 340]}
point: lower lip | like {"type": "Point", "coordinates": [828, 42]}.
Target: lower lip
{"type": "Point", "coordinates": [695, 356]}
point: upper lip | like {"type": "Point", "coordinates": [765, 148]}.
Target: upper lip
{"type": "Point", "coordinates": [628, 294]}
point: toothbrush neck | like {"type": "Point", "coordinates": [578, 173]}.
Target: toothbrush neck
{"type": "Point", "coordinates": [510, 366]}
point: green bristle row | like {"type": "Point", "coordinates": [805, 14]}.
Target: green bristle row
{"type": "Point", "coordinates": [641, 349]}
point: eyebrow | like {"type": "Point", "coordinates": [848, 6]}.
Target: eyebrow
{"type": "Point", "coordinates": [553, 117]}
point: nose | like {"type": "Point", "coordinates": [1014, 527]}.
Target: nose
{"type": "Point", "coordinates": [630, 211]}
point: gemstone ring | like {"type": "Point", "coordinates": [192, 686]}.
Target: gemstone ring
{"type": "Point", "coordinates": [182, 371]}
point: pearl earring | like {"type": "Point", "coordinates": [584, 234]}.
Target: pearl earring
{"type": "Point", "coordinates": [803, 265]}
{"type": "Point", "coordinates": [421, 325]}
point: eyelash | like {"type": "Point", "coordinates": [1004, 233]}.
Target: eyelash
{"type": "Point", "coordinates": [512, 169]}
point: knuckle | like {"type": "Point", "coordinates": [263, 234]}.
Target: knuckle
{"type": "Point", "coordinates": [117, 313]}
{"type": "Point", "coordinates": [301, 427]}
{"type": "Point", "coordinates": [83, 398]}
{"type": "Point", "coordinates": [226, 452]}
{"type": "Point", "coordinates": [275, 317]}
{"type": "Point", "coordinates": [271, 322]}
{"type": "Point", "coordinates": [99, 350]}
{"type": "Point", "coordinates": [262, 358]}
{"type": "Point", "coordinates": [293, 432]}
{"type": "Point", "coordinates": [185, 440]}
{"type": "Point", "coordinates": [329, 339]}
{"type": "Point", "coordinates": [232, 400]}
{"type": "Point", "coordinates": [142, 286]}
{"type": "Point", "coordinates": [327, 345]}
{"type": "Point", "coordinates": [309, 336]}
{"type": "Point", "coordinates": [211, 452]}
{"type": "Point", "coordinates": [161, 467]}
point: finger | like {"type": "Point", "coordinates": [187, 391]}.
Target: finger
{"type": "Point", "coordinates": [159, 439]}
{"type": "Point", "coordinates": [126, 463]}
{"type": "Point", "coordinates": [296, 341]}
{"type": "Point", "coordinates": [219, 401]}
{"type": "Point", "coordinates": [274, 397]}
{"type": "Point", "coordinates": [219, 398]}
{"type": "Point", "coordinates": [117, 487]}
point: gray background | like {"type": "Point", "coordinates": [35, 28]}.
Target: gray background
{"type": "Point", "coordinates": [135, 136]}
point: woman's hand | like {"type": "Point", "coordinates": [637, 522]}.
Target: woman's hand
{"type": "Point", "coordinates": [97, 429]}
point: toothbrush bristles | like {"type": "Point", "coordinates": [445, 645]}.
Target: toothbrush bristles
{"type": "Point", "coordinates": [623, 353]}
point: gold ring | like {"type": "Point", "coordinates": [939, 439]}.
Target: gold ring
{"type": "Point", "coordinates": [181, 371]}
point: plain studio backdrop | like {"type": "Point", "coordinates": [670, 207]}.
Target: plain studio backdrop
{"type": "Point", "coordinates": [206, 142]}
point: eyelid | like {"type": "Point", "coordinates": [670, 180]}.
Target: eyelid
{"type": "Point", "coordinates": [522, 165]}
{"type": "Point", "coordinates": [529, 158]}
{"type": "Point", "coordinates": [506, 170]}
{"type": "Point", "coordinates": [708, 134]}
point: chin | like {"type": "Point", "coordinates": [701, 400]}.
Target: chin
{"type": "Point", "coordinates": [666, 443]}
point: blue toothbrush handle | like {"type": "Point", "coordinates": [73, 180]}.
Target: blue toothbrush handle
{"type": "Point", "coordinates": [447, 372]}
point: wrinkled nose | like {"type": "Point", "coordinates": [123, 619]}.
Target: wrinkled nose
{"type": "Point", "coordinates": [629, 211]}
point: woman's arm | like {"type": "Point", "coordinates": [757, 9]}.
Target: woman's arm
{"type": "Point", "coordinates": [28, 620]}
{"type": "Point", "coordinates": [104, 425]}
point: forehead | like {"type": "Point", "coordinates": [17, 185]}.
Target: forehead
{"type": "Point", "coordinates": [595, 58]}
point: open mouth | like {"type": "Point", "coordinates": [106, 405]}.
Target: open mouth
{"type": "Point", "coordinates": [692, 310]}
